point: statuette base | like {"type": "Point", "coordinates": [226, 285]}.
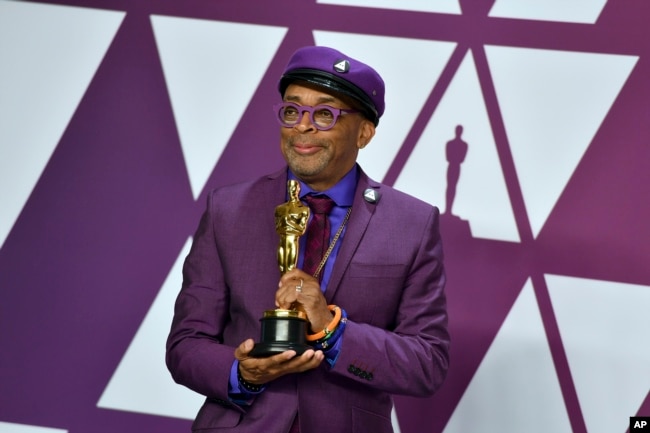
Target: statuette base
{"type": "Point", "coordinates": [282, 330]}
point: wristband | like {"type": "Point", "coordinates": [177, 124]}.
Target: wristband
{"type": "Point", "coordinates": [330, 326]}
{"type": "Point", "coordinates": [330, 341]}
{"type": "Point", "coordinates": [250, 387]}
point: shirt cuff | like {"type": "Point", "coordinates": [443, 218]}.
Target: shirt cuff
{"type": "Point", "coordinates": [332, 352]}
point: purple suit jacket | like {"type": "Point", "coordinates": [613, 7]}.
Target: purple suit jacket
{"type": "Point", "coordinates": [388, 276]}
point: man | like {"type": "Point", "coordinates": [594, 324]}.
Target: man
{"type": "Point", "coordinates": [383, 271]}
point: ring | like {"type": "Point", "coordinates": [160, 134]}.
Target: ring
{"type": "Point", "coordinates": [299, 288]}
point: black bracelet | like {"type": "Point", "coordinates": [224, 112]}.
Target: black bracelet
{"type": "Point", "coordinates": [250, 387]}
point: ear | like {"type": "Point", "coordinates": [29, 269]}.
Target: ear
{"type": "Point", "coordinates": [366, 132]}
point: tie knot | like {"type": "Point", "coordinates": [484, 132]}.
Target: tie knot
{"type": "Point", "coordinates": [320, 204]}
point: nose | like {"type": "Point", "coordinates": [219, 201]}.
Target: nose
{"type": "Point", "coordinates": [305, 123]}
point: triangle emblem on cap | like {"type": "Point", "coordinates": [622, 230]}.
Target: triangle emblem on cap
{"type": "Point", "coordinates": [342, 66]}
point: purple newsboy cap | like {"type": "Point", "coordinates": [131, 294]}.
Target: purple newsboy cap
{"type": "Point", "coordinates": [329, 68]}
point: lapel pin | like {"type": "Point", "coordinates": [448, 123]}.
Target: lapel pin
{"type": "Point", "coordinates": [371, 196]}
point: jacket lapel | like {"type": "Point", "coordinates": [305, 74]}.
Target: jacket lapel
{"type": "Point", "coordinates": [362, 212]}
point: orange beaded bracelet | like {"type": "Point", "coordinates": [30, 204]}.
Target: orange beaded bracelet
{"type": "Point", "coordinates": [330, 326]}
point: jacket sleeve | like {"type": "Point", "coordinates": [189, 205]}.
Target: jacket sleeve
{"type": "Point", "coordinates": [196, 356]}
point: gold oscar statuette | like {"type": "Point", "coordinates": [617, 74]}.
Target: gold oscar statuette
{"type": "Point", "coordinates": [286, 329]}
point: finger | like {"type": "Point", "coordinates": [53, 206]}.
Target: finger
{"type": "Point", "coordinates": [283, 357]}
{"type": "Point", "coordinates": [287, 359]}
{"type": "Point", "coordinates": [297, 364]}
{"type": "Point", "coordinates": [275, 366]}
{"type": "Point", "coordinates": [297, 278]}
{"type": "Point", "coordinates": [242, 351]}
{"type": "Point", "coordinates": [309, 360]}
{"type": "Point", "coordinates": [295, 274]}
{"type": "Point", "coordinates": [285, 300]}
{"type": "Point", "coordinates": [263, 370]}
{"type": "Point", "coordinates": [288, 292]}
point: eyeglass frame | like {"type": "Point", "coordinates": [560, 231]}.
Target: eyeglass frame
{"type": "Point", "coordinates": [336, 113]}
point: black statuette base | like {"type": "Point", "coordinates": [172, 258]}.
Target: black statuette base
{"type": "Point", "coordinates": [280, 334]}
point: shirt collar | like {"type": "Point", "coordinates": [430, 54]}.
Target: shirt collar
{"type": "Point", "coordinates": [342, 193]}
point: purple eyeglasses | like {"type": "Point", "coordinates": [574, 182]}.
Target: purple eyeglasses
{"type": "Point", "coordinates": [323, 117]}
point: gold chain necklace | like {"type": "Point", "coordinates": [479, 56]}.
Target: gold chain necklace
{"type": "Point", "coordinates": [333, 243]}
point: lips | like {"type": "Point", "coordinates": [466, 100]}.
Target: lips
{"type": "Point", "coordinates": [306, 148]}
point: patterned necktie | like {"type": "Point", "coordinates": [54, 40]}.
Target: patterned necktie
{"type": "Point", "coordinates": [318, 233]}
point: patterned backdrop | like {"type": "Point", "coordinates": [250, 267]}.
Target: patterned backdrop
{"type": "Point", "coordinates": [117, 117]}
